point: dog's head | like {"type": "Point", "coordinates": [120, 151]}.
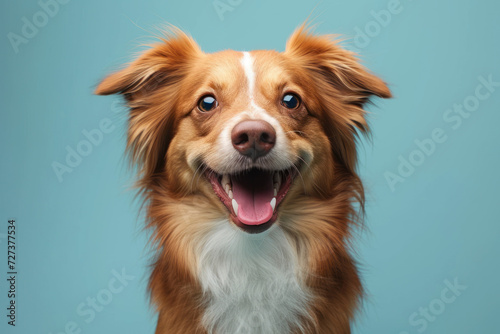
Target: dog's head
{"type": "Point", "coordinates": [247, 130]}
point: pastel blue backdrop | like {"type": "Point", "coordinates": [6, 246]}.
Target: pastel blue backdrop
{"type": "Point", "coordinates": [431, 224]}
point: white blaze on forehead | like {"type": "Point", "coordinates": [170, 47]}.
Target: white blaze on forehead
{"type": "Point", "coordinates": [247, 62]}
{"type": "Point", "coordinates": [253, 110]}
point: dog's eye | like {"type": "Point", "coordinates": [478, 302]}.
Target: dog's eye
{"type": "Point", "coordinates": [290, 101]}
{"type": "Point", "coordinates": [207, 103]}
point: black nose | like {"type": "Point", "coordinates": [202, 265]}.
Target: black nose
{"type": "Point", "coordinates": [253, 138]}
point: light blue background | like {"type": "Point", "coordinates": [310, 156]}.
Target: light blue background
{"type": "Point", "coordinates": [440, 224]}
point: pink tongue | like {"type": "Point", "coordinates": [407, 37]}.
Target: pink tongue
{"type": "Point", "coordinates": [253, 191]}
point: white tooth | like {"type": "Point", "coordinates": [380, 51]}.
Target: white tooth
{"type": "Point", "coordinates": [273, 203]}
{"type": "Point", "coordinates": [225, 182]}
{"type": "Point", "coordinates": [230, 193]}
{"type": "Point", "coordinates": [235, 206]}
{"type": "Point", "coordinates": [227, 188]}
{"type": "Point", "coordinates": [275, 191]}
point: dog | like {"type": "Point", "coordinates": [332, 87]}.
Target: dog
{"type": "Point", "coordinates": [247, 165]}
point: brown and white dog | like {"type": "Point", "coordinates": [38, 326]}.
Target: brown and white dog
{"type": "Point", "coordinates": [248, 168]}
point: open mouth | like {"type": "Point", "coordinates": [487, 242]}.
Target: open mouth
{"type": "Point", "coordinates": [252, 197]}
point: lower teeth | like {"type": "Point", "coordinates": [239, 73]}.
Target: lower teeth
{"type": "Point", "coordinates": [235, 206]}
{"type": "Point", "coordinates": [273, 203]}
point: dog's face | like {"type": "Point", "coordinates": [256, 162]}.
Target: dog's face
{"type": "Point", "coordinates": [248, 131]}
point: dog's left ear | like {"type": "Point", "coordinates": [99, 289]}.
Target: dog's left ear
{"type": "Point", "coordinates": [337, 67]}
{"type": "Point", "coordinates": [342, 85]}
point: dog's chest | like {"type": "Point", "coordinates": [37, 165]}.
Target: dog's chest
{"type": "Point", "coordinates": [250, 282]}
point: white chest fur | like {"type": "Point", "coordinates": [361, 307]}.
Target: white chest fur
{"type": "Point", "coordinates": [250, 282]}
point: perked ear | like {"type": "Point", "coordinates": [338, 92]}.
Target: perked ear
{"type": "Point", "coordinates": [165, 61]}
{"type": "Point", "coordinates": [340, 67]}
{"type": "Point", "coordinates": [152, 117]}
{"type": "Point", "coordinates": [342, 84]}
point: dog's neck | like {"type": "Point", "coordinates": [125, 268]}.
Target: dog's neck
{"type": "Point", "coordinates": [250, 282]}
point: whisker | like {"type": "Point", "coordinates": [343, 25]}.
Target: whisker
{"type": "Point", "coordinates": [300, 174]}
{"type": "Point", "coordinates": [302, 159]}
{"type": "Point", "coordinates": [203, 172]}
{"type": "Point", "coordinates": [298, 170]}
{"type": "Point", "coordinates": [194, 179]}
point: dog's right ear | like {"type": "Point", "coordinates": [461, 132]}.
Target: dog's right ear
{"type": "Point", "coordinates": [164, 62]}
{"type": "Point", "coordinates": [152, 120]}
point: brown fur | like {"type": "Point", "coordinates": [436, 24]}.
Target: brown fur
{"type": "Point", "coordinates": [161, 88]}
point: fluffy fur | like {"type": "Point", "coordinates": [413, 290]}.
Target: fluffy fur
{"type": "Point", "coordinates": [252, 282]}
{"type": "Point", "coordinates": [210, 276]}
